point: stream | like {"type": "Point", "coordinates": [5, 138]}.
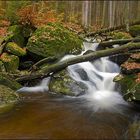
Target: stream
{"type": "Point", "coordinates": [100, 114]}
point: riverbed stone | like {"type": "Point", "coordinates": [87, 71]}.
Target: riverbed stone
{"type": "Point", "coordinates": [130, 88]}
{"type": "Point", "coordinates": [11, 62]}
{"type": "Point", "coordinates": [13, 48]}
{"type": "Point", "coordinates": [62, 83]}
{"type": "Point", "coordinates": [9, 81]}
{"type": "Point", "coordinates": [54, 40]}
{"type": "Point", "coordinates": [8, 98]}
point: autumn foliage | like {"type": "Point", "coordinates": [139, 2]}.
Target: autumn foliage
{"type": "Point", "coordinates": [33, 16]}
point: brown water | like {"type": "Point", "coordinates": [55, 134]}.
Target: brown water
{"type": "Point", "coordinates": [47, 116]}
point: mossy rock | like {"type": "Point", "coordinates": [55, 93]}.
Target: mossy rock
{"type": "Point", "coordinates": [130, 67]}
{"type": "Point", "coordinates": [13, 48]}
{"type": "Point", "coordinates": [15, 34]}
{"type": "Point", "coordinates": [129, 87]}
{"type": "Point", "coordinates": [135, 30]}
{"type": "Point", "coordinates": [62, 83]}
{"type": "Point", "coordinates": [11, 62]}
{"type": "Point", "coordinates": [9, 82]}
{"type": "Point", "coordinates": [2, 68]}
{"type": "Point", "coordinates": [54, 40]}
{"type": "Point", "coordinates": [120, 35]}
{"type": "Point", "coordinates": [8, 98]}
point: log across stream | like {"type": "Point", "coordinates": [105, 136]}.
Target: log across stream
{"type": "Point", "coordinates": [101, 114]}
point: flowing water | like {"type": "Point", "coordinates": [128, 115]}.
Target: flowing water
{"type": "Point", "coordinates": [99, 114]}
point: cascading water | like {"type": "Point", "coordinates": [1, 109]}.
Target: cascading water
{"type": "Point", "coordinates": [98, 78]}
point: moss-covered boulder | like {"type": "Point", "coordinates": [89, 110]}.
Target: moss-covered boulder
{"type": "Point", "coordinates": [54, 40]}
{"type": "Point", "coordinates": [15, 34]}
{"type": "Point", "coordinates": [8, 98]}
{"type": "Point", "coordinates": [13, 48]}
{"type": "Point", "coordinates": [9, 81]}
{"type": "Point", "coordinates": [135, 30]}
{"type": "Point", "coordinates": [11, 62]}
{"type": "Point", "coordinates": [62, 83]}
{"type": "Point", "coordinates": [130, 87]}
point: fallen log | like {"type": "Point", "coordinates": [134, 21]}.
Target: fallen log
{"type": "Point", "coordinates": [46, 71]}
{"type": "Point", "coordinates": [110, 29]}
{"type": "Point", "coordinates": [119, 41]}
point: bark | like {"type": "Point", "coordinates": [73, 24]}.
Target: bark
{"type": "Point", "coordinates": [119, 41]}
{"type": "Point", "coordinates": [46, 71]}
{"type": "Point", "coordinates": [111, 29]}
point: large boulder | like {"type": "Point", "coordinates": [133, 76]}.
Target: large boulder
{"type": "Point", "coordinates": [135, 30]}
{"type": "Point", "coordinates": [11, 62]}
{"type": "Point", "coordinates": [15, 35]}
{"type": "Point", "coordinates": [9, 82]}
{"type": "Point", "coordinates": [54, 40]}
{"type": "Point", "coordinates": [130, 87]}
{"type": "Point", "coordinates": [62, 83]}
{"type": "Point", "coordinates": [8, 98]}
{"type": "Point", "coordinates": [13, 48]}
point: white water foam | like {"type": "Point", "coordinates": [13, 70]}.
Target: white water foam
{"type": "Point", "coordinates": [42, 87]}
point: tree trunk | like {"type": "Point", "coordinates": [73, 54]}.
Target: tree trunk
{"type": "Point", "coordinates": [46, 71]}
{"type": "Point", "coordinates": [119, 41]}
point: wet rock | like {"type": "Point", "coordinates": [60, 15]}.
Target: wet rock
{"type": "Point", "coordinates": [9, 82]}
{"type": "Point", "coordinates": [54, 40]}
{"type": "Point", "coordinates": [130, 88]}
{"type": "Point", "coordinates": [63, 84]}
{"type": "Point", "coordinates": [119, 58]}
{"type": "Point", "coordinates": [13, 48]}
{"type": "Point", "coordinates": [135, 30]}
{"type": "Point", "coordinates": [8, 98]}
{"type": "Point", "coordinates": [11, 62]}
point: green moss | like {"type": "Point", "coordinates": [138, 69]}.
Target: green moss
{"type": "Point", "coordinates": [62, 83]}
{"type": "Point", "coordinates": [130, 89]}
{"type": "Point", "coordinates": [9, 82]}
{"type": "Point", "coordinates": [7, 98]}
{"type": "Point", "coordinates": [15, 34]}
{"type": "Point", "coordinates": [54, 40]}
{"type": "Point", "coordinates": [120, 35]}
{"type": "Point", "coordinates": [13, 48]}
{"type": "Point", "coordinates": [11, 62]}
{"type": "Point", "coordinates": [135, 30]}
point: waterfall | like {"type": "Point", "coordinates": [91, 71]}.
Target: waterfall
{"type": "Point", "coordinates": [102, 93]}
{"type": "Point", "coordinates": [101, 90]}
